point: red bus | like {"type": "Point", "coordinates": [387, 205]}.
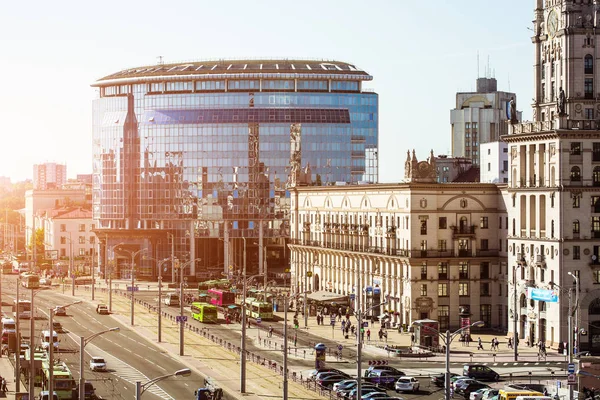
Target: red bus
{"type": "Point", "coordinates": [221, 297]}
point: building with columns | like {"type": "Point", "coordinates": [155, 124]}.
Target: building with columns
{"type": "Point", "coordinates": [554, 183]}
{"type": "Point", "coordinates": [430, 249]}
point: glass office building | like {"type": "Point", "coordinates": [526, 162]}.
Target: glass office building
{"type": "Point", "coordinates": [197, 159]}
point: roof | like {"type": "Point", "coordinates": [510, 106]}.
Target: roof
{"type": "Point", "coordinates": [237, 68]}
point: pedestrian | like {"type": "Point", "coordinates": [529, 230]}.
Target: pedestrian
{"type": "Point", "coordinates": [296, 340]}
{"type": "Point", "coordinates": [497, 345]}
{"type": "Point", "coordinates": [270, 331]}
{"type": "Point", "coordinates": [479, 345]}
{"type": "Point", "coordinates": [510, 346]}
{"type": "Point", "coordinates": [362, 334]}
{"type": "Point", "coordinates": [368, 335]}
{"type": "Point", "coordinates": [412, 337]}
{"type": "Point", "coordinates": [380, 334]}
{"type": "Point", "coordinates": [4, 388]}
{"type": "Point", "coordinates": [545, 392]}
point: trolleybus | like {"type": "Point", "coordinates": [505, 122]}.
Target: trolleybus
{"type": "Point", "coordinates": [204, 312]}
{"type": "Point", "coordinates": [220, 297]}
{"type": "Point", "coordinates": [256, 309]}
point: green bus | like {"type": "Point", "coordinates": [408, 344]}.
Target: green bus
{"type": "Point", "coordinates": [256, 309]}
{"type": "Point", "coordinates": [213, 284]}
{"type": "Point", "coordinates": [64, 384]}
{"type": "Point", "coordinates": [204, 312]}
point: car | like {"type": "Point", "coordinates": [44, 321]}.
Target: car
{"type": "Point", "coordinates": [45, 281]}
{"type": "Point", "coordinates": [456, 379]}
{"type": "Point", "coordinates": [382, 378]}
{"type": "Point", "coordinates": [345, 393]}
{"type": "Point", "coordinates": [89, 392]}
{"type": "Point", "coordinates": [467, 389]}
{"type": "Point", "coordinates": [395, 372]}
{"type": "Point", "coordinates": [102, 309]}
{"type": "Point", "coordinates": [364, 390]}
{"type": "Point", "coordinates": [440, 379]}
{"type": "Point", "coordinates": [328, 381]}
{"type": "Point", "coordinates": [45, 395]}
{"type": "Point", "coordinates": [57, 327]}
{"type": "Point", "coordinates": [490, 394]}
{"type": "Point", "coordinates": [313, 372]}
{"type": "Point", "coordinates": [60, 311]}
{"type": "Point", "coordinates": [375, 396]}
{"type": "Point", "coordinates": [344, 384]}
{"type": "Point", "coordinates": [461, 383]}
{"type": "Point", "coordinates": [407, 383]}
{"type": "Point", "coordinates": [478, 394]}
{"type": "Point", "coordinates": [97, 364]}
{"type": "Point", "coordinates": [480, 372]}
{"type": "Point", "coordinates": [324, 374]}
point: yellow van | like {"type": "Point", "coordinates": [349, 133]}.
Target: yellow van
{"type": "Point", "coordinates": [512, 394]}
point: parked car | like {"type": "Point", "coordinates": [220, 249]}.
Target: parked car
{"type": "Point", "coordinates": [97, 364]}
{"type": "Point", "coordinates": [467, 389]}
{"type": "Point", "coordinates": [313, 372]}
{"type": "Point", "coordinates": [480, 372]}
{"type": "Point", "coordinates": [328, 381]}
{"type": "Point", "coordinates": [461, 383]}
{"type": "Point", "coordinates": [407, 384]}
{"type": "Point", "coordinates": [60, 311]}
{"type": "Point", "coordinates": [364, 390]}
{"type": "Point", "coordinates": [377, 396]}
{"type": "Point", "coordinates": [478, 394]}
{"type": "Point", "coordinates": [102, 309]}
{"type": "Point", "coordinates": [490, 394]}
{"type": "Point", "coordinates": [388, 368]}
{"type": "Point", "coordinates": [45, 281]}
{"type": "Point", "coordinates": [321, 375]}
{"type": "Point", "coordinates": [382, 378]}
{"type": "Point", "coordinates": [346, 383]}
{"type": "Point", "coordinates": [345, 393]}
{"type": "Point", "coordinates": [57, 327]}
{"type": "Point", "coordinates": [440, 379]}
{"type": "Point", "coordinates": [45, 395]}
{"type": "Point", "coordinates": [89, 391]}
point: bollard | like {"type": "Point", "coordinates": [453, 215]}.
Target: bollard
{"type": "Point", "coordinates": [471, 355]}
{"type": "Point", "coordinates": [305, 354]}
{"type": "Point", "coordinates": [529, 377]}
{"type": "Point", "coordinates": [494, 357]}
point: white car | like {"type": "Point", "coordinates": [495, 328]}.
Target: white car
{"type": "Point", "coordinates": [478, 394]}
{"type": "Point", "coordinates": [407, 384]}
{"type": "Point", "coordinates": [97, 364]}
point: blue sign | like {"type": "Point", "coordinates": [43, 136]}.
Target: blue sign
{"type": "Point", "coordinates": [376, 291]}
{"type": "Point", "coordinates": [258, 320]}
{"type": "Point", "coordinates": [340, 347]}
{"type": "Point", "coordinates": [181, 318]}
{"type": "Point", "coordinates": [352, 296]}
{"type": "Point", "coordinates": [132, 288]}
{"type": "Point", "coordinates": [571, 368]}
{"type": "Point", "coordinates": [549, 296]}
{"type": "Point", "coordinates": [369, 289]}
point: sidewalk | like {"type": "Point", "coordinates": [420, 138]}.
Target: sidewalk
{"type": "Point", "coordinates": [8, 372]}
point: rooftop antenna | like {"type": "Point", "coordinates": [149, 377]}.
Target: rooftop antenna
{"type": "Point", "coordinates": [477, 63]}
{"type": "Point", "coordinates": [160, 60]}
{"type": "Point", "coordinates": [487, 74]}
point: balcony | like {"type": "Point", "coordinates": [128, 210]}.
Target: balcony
{"type": "Point", "coordinates": [529, 283]}
{"type": "Point", "coordinates": [487, 253]}
{"type": "Point", "coordinates": [540, 260]}
{"type": "Point", "coordinates": [521, 259]}
{"type": "Point", "coordinates": [594, 261]}
{"type": "Point", "coordinates": [462, 231]}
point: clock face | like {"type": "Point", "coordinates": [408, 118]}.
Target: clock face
{"type": "Point", "coordinates": [552, 23]}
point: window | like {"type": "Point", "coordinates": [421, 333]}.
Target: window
{"type": "Point", "coordinates": [484, 270]}
{"type": "Point", "coordinates": [443, 271]}
{"type": "Point", "coordinates": [576, 226]}
{"type": "Point", "coordinates": [423, 290]}
{"type": "Point", "coordinates": [63, 227]}
{"type": "Point", "coordinates": [485, 288]}
{"type": "Point", "coordinates": [444, 318]}
{"type": "Point", "coordinates": [81, 239]}
{"type": "Point", "coordinates": [500, 223]}
{"type": "Point", "coordinates": [589, 113]}
{"type": "Point", "coordinates": [92, 239]}
{"type": "Point", "coordinates": [486, 314]}
{"type": "Point", "coordinates": [443, 289]}
{"type": "Point", "coordinates": [575, 148]}
{"type": "Point", "coordinates": [595, 204]}
{"type": "Point", "coordinates": [576, 200]}
{"type": "Point", "coordinates": [423, 227]}
{"type": "Point", "coordinates": [588, 64]}
{"type": "Point", "coordinates": [463, 288]}
{"type": "Point", "coordinates": [442, 245]}
{"type": "Point", "coordinates": [483, 223]}
{"type": "Point", "coordinates": [443, 223]}
{"type": "Point", "coordinates": [589, 88]}
{"type": "Point", "coordinates": [576, 253]}
{"type": "Point", "coordinates": [424, 271]}
{"type": "Point", "coordinates": [463, 270]}
{"type": "Point", "coordinates": [596, 176]}
{"type": "Point", "coordinates": [489, 166]}
{"type": "Point", "coordinates": [596, 276]}
{"type": "Point", "coordinates": [81, 252]}
{"type": "Point", "coordinates": [81, 227]}
{"type": "Point", "coordinates": [575, 174]}
{"type": "Point", "coordinates": [484, 244]}
{"type": "Point", "coordinates": [63, 240]}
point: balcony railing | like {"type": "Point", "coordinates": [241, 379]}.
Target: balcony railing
{"type": "Point", "coordinates": [463, 230]}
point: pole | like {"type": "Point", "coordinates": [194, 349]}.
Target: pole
{"type": "Point", "coordinates": [515, 314]}
{"type": "Point", "coordinates": [305, 295]}
{"type": "Point", "coordinates": [132, 283]}
{"type": "Point", "coordinates": [160, 299]}
{"type": "Point", "coordinates": [181, 323]}
{"type": "Point", "coordinates": [447, 377]}
{"type": "Point", "coordinates": [92, 273]}
{"type": "Point", "coordinates": [358, 333]}
{"type": "Point", "coordinates": [81, 369]}
{"type": "Point", "coordinates": [18, 333]}
{"type": "Point", "coordinates": [51, 356]}
{"type": "Point", "coordinates": [138, 390]}
{"type": "Point", "coordinates": [172, 256]}
{"type": "Point", "coordinates": [110, 286]}
{"type": "Point", "coordinates": [32, 349]}
{"type": "Point", "coordinates": [243, 354]}
{"type": "Point", "coordinates": [285, 349]}
{"type": "Point", "coordinates": [71, 272]}
{"type": "Point", "coordinates": [570, 345]}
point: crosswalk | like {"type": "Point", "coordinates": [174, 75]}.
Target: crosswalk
{"type": "Point", "coordinates": [516, 363]}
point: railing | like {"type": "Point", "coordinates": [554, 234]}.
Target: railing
{"type": "Point", "coordinates": [463, 230]}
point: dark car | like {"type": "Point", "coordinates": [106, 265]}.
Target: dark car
{"type": "Point", "coordinates": [364, 390]}
{"type": "Point", "coordinates": [89, 391]}
{"type": "Point", "coordinates": [395, 372]}
{"type": "Point", "coordinates": [382, 378]}
{"type": "Point", "coordinates": [313, 372]}
{"type": "Point", "coordinates": [480, 372]}
{"type": "Point", "coordinates": [466, 390]}
{"type": "Point", "coordinates": [440, 379]}
{"type": "Point", "coordinates": [328, 381]}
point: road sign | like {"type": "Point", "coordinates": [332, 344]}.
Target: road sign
{"type": "Point", "coordinates": [352, 296]}
{"type": "Point", "coordinates": [258, 320]}
{"type": "Point", "coordinates": [340, 347]}
{"type": "Point", "coordinates": [332, 318]}
{"type": "Point", "coordinates": [571, 368]}
{"type": "Point", "coordinates": [571, 380]}
{"type": "Point", "coordinates": [181, 318]}
{"type": "Point", "coordinates": [378, 362]}
{"type": "Point", "coordinates": [135, 288]}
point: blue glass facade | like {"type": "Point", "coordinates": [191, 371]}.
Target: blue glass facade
{"type": "Point", "coordinates": [209, 159]}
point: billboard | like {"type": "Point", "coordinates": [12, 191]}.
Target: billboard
{"type": "Point", "coordinates": [549, 296]}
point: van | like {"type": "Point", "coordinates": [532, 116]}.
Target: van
{"type": "Point", "coordinates": [480, 372]}
{"type": "Point", "coordinates": [45, 339]}
{"type": "Point", "coordinates": [512, 394]}
{"type": "Point", "coordinates": [172, 299]}
{"type": "Point", "coordinates": [382, 378]}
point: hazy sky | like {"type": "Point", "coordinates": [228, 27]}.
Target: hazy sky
{"type": "Point", "coordinates": [419, 52]}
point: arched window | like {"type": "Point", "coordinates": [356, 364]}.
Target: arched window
{"type": "Point", "coordinates": [596, 176]}
{"type": "Point", "coordinates": [588, 64]}
{"type": "Point", "coordinates": [594, 308]}
{"type": "Point", "coordinates": [576, 226]}
{"type": "Point", "coordinates": [523, 301]}
{"type": "Point", "coordinates": [575, 174]}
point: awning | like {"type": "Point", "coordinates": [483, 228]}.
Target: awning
{"type": "Point", "coordinates": [233, 306]}
{"type": "Point", "coordinates": [328, 297]}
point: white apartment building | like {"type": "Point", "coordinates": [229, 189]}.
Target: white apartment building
{"type": "Point", "coordinates": [494, 162]}
{"type": "Point", "coordinates": [554, 183]}
{"type": "Point", "coordinates": [431, 249]}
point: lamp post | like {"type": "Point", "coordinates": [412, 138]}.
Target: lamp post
{"type": "Point", "coordinates": [569, 330]}
{"type": "Point", "coordinates": [82, 343]}
{"type": "Point", "coordinates": [447, 338]}
{"type": "Point", "coordinates": [140, 387]}
{"type": "Point", "coordinates": [51, 348]}
{"type": "Point", "coordinates": [159, 264]}
{"type": "Point", "coordinates": [133, 254]}
{"type": "Point", "coordinates": [515, 313]}
{"type": "Point", "coordinates": [243, 350]}
{"type": "Point", "coordinates": [576, 311]}
{"type": "Point", "coordinates": [18, 334]}
{"type": "Point", "coordinates": [181, 323]}
{"type": "Point", "coordinates": [110, 275]}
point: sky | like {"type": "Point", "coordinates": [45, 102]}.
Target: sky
{"type": "Point", "coordinates": [420, 54]}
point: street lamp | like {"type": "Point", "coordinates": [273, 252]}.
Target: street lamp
{"type": "Point", "coordinates": [570, 331]}
{"type": "Point", "coordinates": [577, 344]}
{"type": "Point", "coordinates": [181, 324]}
{"type": "Point", "coordinates": [159, 264]}
{"type": "Point", "coordinates": [515, 314]}
{"type": "Point", "coordinates": [51, 355]}
{"type": "Point", "coordinates": [447, 339]}
{"type": "Point", "coordinates": [82, 343]}
{"type": "Point", "coordinates": [112, 265]}
{"type": "Point", "coordinates": [133, 254]}
{"type": "Point", "coordinates": [140, 387]}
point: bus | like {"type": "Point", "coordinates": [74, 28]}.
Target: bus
{"type": "Point", "coordinates": [221, 297]}
{"type": "Point", "coordinates": [256, 309]}
{"type": "Point", "coordinates": [30, 281]}
{"type": "Point", "coordinates": [213, 284]}
{"type": "Point", "coordinates": [512, 393]}
{"type": "Point", "coordinates": [23, 310]}
{"type": "Point", "coordinates": [64, 384]}
{"type": "Point", "coordinates": [204, 312]}
{"type": "Point", "coordinates": [38, 364]}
